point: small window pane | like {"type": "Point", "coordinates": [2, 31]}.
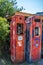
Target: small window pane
{"type": "Point", "coordinates": [19, 28]}
{"type": "Point", "coordinates": [37, 20]}
{"type": "Point", "coordinates": [37, 31]}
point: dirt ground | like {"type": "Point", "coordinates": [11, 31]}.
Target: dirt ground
{"type": "Point", "coordinates": [3, 61]}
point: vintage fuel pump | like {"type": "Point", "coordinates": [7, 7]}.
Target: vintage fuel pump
{"type": "Point", "coordinates": [17, 38]}
{"type": "Point", "coordinates": [33, 44]}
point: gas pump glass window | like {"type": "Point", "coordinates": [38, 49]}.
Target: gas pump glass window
{"type": "Point", "coordinates": [37, 32]}
{"type": "Point", "coordinates": [19, 28]}
{"type": "Point", "coordinates": [37, 20]}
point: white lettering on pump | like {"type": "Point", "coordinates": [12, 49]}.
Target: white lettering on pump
{"type": "Point", "coordinates": [20, 43]}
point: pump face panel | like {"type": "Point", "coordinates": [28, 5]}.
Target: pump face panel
{"type": "Point", "coordinates": [34, 44]}
{"type": "Point", "coordinates": [18, 38]}
{"type": "Point", "coordinates": [36, 39]}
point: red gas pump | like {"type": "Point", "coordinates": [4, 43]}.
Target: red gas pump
{"type": "Point", "coordinates": [34, 26]}
{"type": "Point", "coordinates": [17, 36]}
